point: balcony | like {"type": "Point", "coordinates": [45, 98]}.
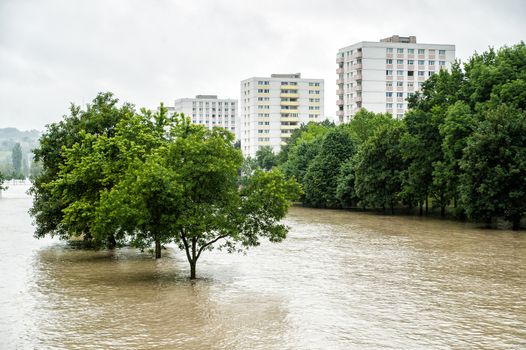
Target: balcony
{"type": "Point", "coordinates": [357, 88]}
{"type": "Point", "coordinates": [289, 127]}
{"type": "Point", "coordinates": [421, 78]}
{"type": "Point", "coordinates": [339, 92]}
{"type": "Point", "coordinates": [399, 88]}
{"type": "Point", "coordinates": [389, 77]}
{"type": "Point", "coordinates": [389, 88]}
{"type": "Point", "coordinates": [411, 77]}
{"type": "Point", "coordinates": [389, 55]}
{"type": "Point", "coordinates": [285, 135]}
{"type": "Point", "coordinates": [289, 95]}
{"type": "Point", "coordinates": [339, 60]}
{"type": "Point", "coordinates": [358, 99]}
{"type": "Point", "coordinates": [289, 87]}
{"type": "Point", "coordinates": [389, 99]}
{"type": "Point", "coordinates": [421, 67]}
{"type": "Point", "coordinates": [421, 57]}
{"type": "Point", "coordinates": [339, 71]}
{"type": "Point", "coordinates": [357, 54]}
{"type": "Point", "coordinates": [339, 113]}
{"type": "Point", "coordinates": [389, 110]}
{"type": "Point", "coordinates": [339, 81]}
{"type": "Point", "coordinates": [400, 55]}
{"type": "Point", "coordinates": [410, 56]}
{"type": "Point", "coordinates": [399, 99]}
{"type": "Point", "coordinates": [357, 77]}
{"type": "Point", "coordinates": [410, 67]}
{"type": "Point", "coordinates": [285, 111]}
{"type": "Point", "coordinates": [431, 57]}
{"type": "Point", "coordinates": [290, 119]}
{"type": "Point", "coordinates": [388, 66]}
{"type": "Point", "coordinates": [289, 103]}
{"type": "Point", "coordinates": [399, 66]}
{"type": "Point", "coordinates": [441, 57]}
{"type": "Point", "coordinates": [357, 66]}
{"type": "Point", "coordinates": [339, 102]}
{"type": "Point", "coordinates": [399, 77]}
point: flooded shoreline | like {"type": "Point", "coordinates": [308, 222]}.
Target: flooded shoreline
{"type": "Point", "coordinates": [341, 280]}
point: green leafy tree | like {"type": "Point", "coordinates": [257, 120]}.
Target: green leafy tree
{"type": "Point", "coordinates": [321, 177]}
{"type": "Point", "coordinates": [55, 189]}
{"type": "Point", "coordinates": [494, 167]}
{"type": "Point", "coordinates": [302, 148]}
{"type": "Point", "coordinates": [265, 158]}
{"type": "Point", "coordinates": [345, 191]}
{"type": "Point", "coordinates": [16, 157]}
{"type": "Point", "coordinates": [2, 181]}
{"type": "Point", "coordinates": [379, 167]}
{"type": "Point", "coordinates": [364, 124]}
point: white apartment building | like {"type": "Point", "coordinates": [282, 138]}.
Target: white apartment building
{"type": "Point", "coordinates": [379, 76]}
{"type": "Point", "coordinates": [272, 108]}
{"type": "Point", "coordinates": [210, 111]}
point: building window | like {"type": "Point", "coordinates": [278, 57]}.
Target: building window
{"type": "Point", "coordinates": [441, 52]}
{"type": "Point", "coordinates": [421, 73]}
{"type": "Point", "coordinates": [399, 94]}
{"type": "Point", "coordinates": [399, 61]}
{"type": "Point", "coordinates": [399, 50]}
{"type": "Point", "coordinates": [389, 61]}
{"type": "Point", "coordinates": [421, 62]}
{"type": "Point", "coordinates": [400, 73]}
{"type": "Point", "coordinates": [399, 83]}
{"type": "Point", "coordinates": [430, 73]}
{"type": "Point", "coordinates": [441, 63]}
{"type": "Point", "coordinates": [431, 63]}
{"type": "Point", "coordinates": [411, 51]}
{"type": "Point", "coordinates": [388, 94]}
{"type": "Point", "coordinates": [421, 51]}
{"type": "Point", "coordinates": [410, 62]}
{"type": "Point", "coordinates": [388, 72]}
{"type": "Point", "coordinates": [389, 84]}
{"type": "Point", "coordinates": [389, 50]}
{"type": "Point", "coordinates": [389, 105]}
{"type": "Point", "coordinates": [410, 73]}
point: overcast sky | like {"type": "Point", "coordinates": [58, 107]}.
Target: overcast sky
{"type": "Point", "coordinates": [56, 52]}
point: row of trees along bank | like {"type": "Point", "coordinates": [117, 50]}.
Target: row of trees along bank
{"type": "Point", "coordinates": [114, 176]}
{"type": "Point", "coordinates": [461, 147]}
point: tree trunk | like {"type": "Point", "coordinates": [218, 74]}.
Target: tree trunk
{"type": "Point", "coordinates": [516, 222]}
{"type": "Point", "coordinates": [427, 205]}
{"type": "Point", "coordinates": [112, 243]}
{"type": "Point", "coordinates": [421, 211]}
{"type": "Point", "coordinates": [192, 269]}
{"type": "Point", "coordinates": [443, 211]}
{"type": "Point", "coordinates": [157, 248]}
{"type": "Point", "coordinates": [488, 222]}
{"type": "Point", "coordinates": [392, 209]}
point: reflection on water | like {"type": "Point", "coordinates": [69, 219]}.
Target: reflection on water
{"type": "Point", "coordinates": [340, 281]}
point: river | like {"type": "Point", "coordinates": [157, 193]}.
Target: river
{"type": "Point", "coordinates": [341, 280]}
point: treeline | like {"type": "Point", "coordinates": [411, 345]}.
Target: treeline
{"type": "Point", "coordinates": [461, 148]}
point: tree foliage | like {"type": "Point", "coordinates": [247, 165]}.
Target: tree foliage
{"type": "Point", "coordinates": [150, 178]}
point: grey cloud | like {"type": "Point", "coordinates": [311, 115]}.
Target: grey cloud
{"type": "Point", "coordinates": [56, 51]}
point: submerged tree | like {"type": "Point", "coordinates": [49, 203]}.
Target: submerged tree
{"type": "Point", "coordinates": [494, 167]}
{"type": "Point", "coordinates": [151, 178]}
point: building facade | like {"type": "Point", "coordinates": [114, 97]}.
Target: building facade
{"type": "Point", "coordinates": [210, 111]}
{"type": "Point", "coordinates": [379, 76]}
{"type": "Point", "coordinates": [273, 107]}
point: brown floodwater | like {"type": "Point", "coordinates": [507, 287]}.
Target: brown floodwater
{"type": "Point", "coordinates": [341, 280]}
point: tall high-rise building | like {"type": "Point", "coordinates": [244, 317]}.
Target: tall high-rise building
{"type": "Point", "coordinates": [272, 108]}
{"type": "Point", "coordinates": [379, 76]}
{"type": "Point", "coordinates": [210, 111]}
